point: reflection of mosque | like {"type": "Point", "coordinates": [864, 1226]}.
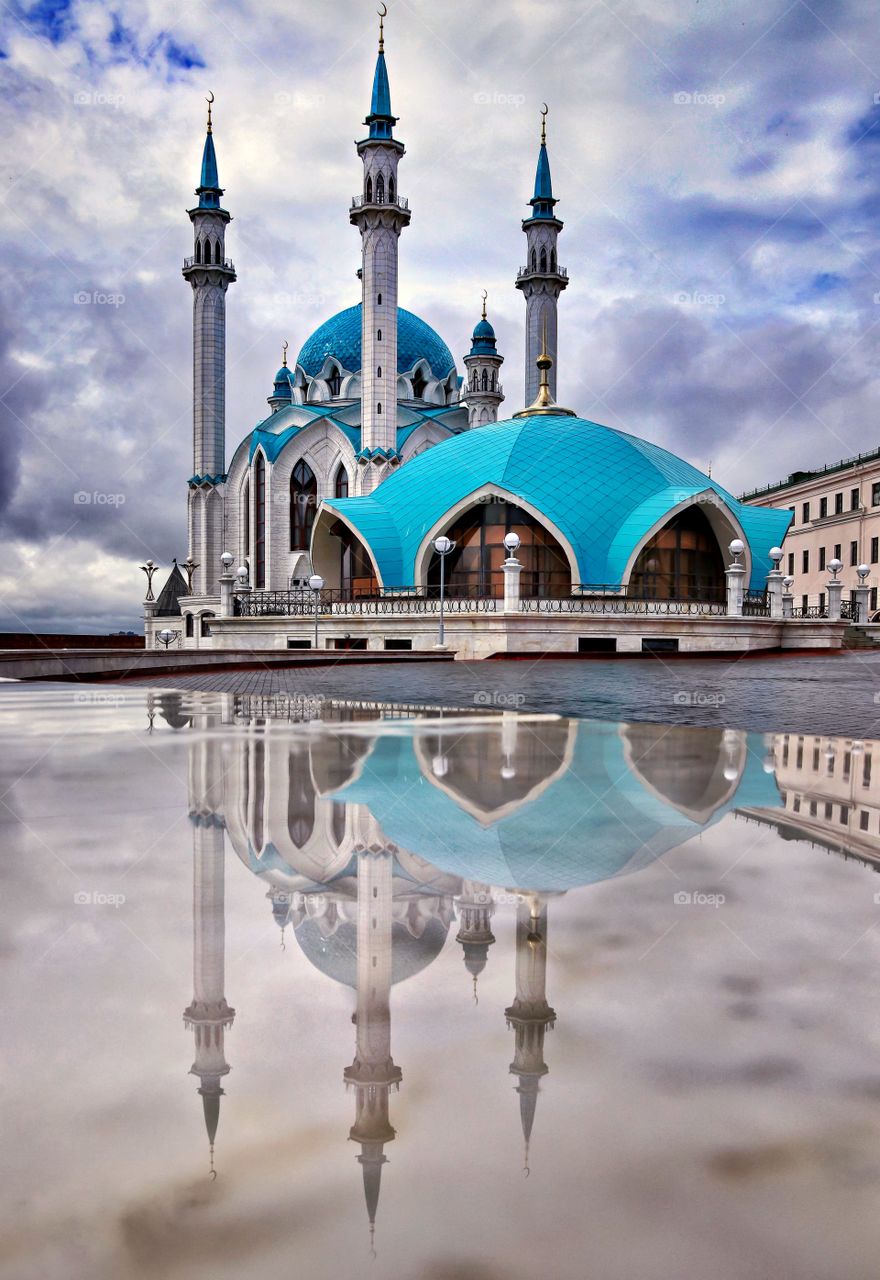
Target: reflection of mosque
{"type": "Point", "coordinates": [502, 810]}
{"type": "Point", "coordinates": [829, 791]}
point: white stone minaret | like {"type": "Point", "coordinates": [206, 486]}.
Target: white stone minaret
{"type": "Point", "coordinates": [530, 1015]}
{"type": "Point", "coordinates": [476, 907]}
{"type": "Point", "coordinates": [483, 391]}
{"type": "Point", "coordinates": [541, 279]}
{"type": "Point", "coordinates": [210, 273]}
{"type": "Point", "coordinates": [380, 215]}
{"type": "Point", "coordinates": [373, 1074]}
{"type": "Point", "coordinates": [208, 1015]}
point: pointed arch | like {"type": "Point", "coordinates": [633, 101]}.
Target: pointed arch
{"type": "Point", "coordinates": [391, 199]}
{"type": "Point", "coordinates": [369, 189]}
{"type": "Point", "coordinates": [303, 505]}
{"type": "Point", "coordinates": [553, 260]}
{"type": "Point", "coordinates": [543, 260]}
{"type": "Point", "coordinates": [722, 520]}
{"type": "Point", "coordinates": [380, 189]}
{"type": "Point", "coordinates": [198, 250]}
{"type": "Point", "coordinates": [340, 482]}
{"type": "Point", "coordinates": [260, 520]}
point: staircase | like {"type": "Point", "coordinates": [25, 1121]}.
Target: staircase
{"type": "Point", "coordinates": [864, 636]}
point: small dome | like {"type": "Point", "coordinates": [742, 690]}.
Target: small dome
{"type": "Point", "coordinates": [340, 337]}
{"type": "Point", "coordinates": [337, 956]}
{"type": "Point", "coordinates": [484, 339]}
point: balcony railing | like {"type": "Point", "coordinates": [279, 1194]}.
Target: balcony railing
{"type": "Point", "coordinates": [542, 271]}
{"type": "Point", "coordinates": [359, 202]}
{"type": "Point", "coordinates": [333, 603]}
{"type": "Point", "coordinates": [226, 265]}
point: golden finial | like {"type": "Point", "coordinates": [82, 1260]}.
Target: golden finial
{"type": "Point", "coordinates": [544, 110]}
{"type": "Point", "coordinates": [544, 402]}
{"type": "Point", "coordinates": [209, 100]}
{"type": "Point", "coordinates": [284, 349]}
{"type": "Point", "coordinates": [485, 296]}
{"type": "Point", "coordinates": [710, 469]}
{"type": "Point", "coordinates": [383, 13]}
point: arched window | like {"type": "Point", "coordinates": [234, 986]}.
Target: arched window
{"type": "Point", "coordinates": [337, 822]}
{"type": "Point", "coordinates": [379, 299]}
{"type": "Point", "coordinates": [543, 259]}
{"type": "Point", "coordinates": [534, 261]}
{"type": "Point", "coordinates": [218, 252]}
{"type": "Point", "coordinates": [473, 569]}
{"type": "Point", "coordinates": [303, 502]}
{"type": "Point", "coordinates": [494, 375]}
{"type": "Point", "coordinates": [260, 513]}
{"type": "Point", "coordinates": [418, 384]}
{"type": "Point", "coordinates": [378, 335]}
{"type": "Point", "coordinates": [474, 380]}
{"type": "Point", "coordinates": [205, 624]}
{"type": "Point", "coordinates": [198, 251]}
{"type": "Point", "coordinates": [246, 518]}
{"type": "Point", "coordinates": [484, 380]}
{"type": "Point", "coordinates": [380, 189]}
{"type": "Point", "coordinates": [189, 625]}
{"type": "Point", "coordinates": [552, 259]}
{"type": "Point", "coordinates": [300, 800]}
{"type": "Point", "coordinates": [356, 576]}
{"type": "Point", "coordinates": [682, 561]}
{"type": "Point", "coordinates": [340, 488]}
{"type": "Point", "coordinates": [379, 407]}
{"type": "Point", "coordinates": [369, 190]}
{"type": "Point", "coordinates": [334, 382]}
{"type": "Point", "coordinates": [379, 372]}
{"type": "Point", "coordinates": [391, 190]}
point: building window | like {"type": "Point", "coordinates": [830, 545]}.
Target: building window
{"type": "Point", "coordinates": [303, 503]}
{"type": "Point", "coordinates": [838, 504]}
{"type": "Point", "coordinates": [805, 604]}
{"type": "Point", "coordinates": [875, 494]}
{"type": "Point", "coordinates": [805, 561]}
{"type": "Point", "coordinates": [378, 335]}
{"type": "Point", "coordinates": [246, 518]}
{"type": "Point", "coordinates": [205, 624]}
{"type": "Point", "coordinates": [419, 384]}
{"type": "Point", "coordinates": [837, 550]}
{"type": "Point", "coordinates": [823, 508]}
{"type": "Point", "coordinates": [260, 512]}
{"type": "Point", "coordinates": [391, 189]}
{"type": "Point", "coordinates": [369, 190]}
{"type": "Point", "coordinates": [866, 770]}
{"type": "Point", "coordinates": [863, 819]}
{"type": "Point", "coordinates": [189, 625]}
{"type": "Point", "coordinates": [379, 407]}
{"type": "Point", "coordinates": [473, 569]}
{"type": "Point", "coordinates": [805, 513]}
{"type": "Point", "coordinates": [854, 503]}
{"type": "Point", "coordinates": [543, 260]}
{"type": "Point", "coordinates": [844, 814]}
{"type": "Point", "coordinates": [380, 190]}
{"type": "Point", "coordinates": [821, 558]}
{"type": "Point", "coordinates": [340, 489]}
{"type": "Point", "coordinates": [875, 550]}
{"type": "Point", "coordinates": [873, 597]}
{"type": "Point", "coordinates": [853, 553]}
{"type": "Point", "coordinates": [334, 382]}
{"type": "Point", "coordinates": [822, 601]}
{"type": "Point", "coordinates": [791, 564]}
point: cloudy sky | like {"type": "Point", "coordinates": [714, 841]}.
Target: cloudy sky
{"type": "Point", "coordinates": [718, 168]}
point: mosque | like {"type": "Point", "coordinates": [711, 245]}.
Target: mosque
{"type": "Point", "coordinates": [558, 533]}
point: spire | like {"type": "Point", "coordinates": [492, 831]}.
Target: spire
{"type": "Point", "coordinates": [380, 118]}
{"type": "Point", "coordinates": [209, 190]}
{"type": "Point", "coordinates": [544, 404]}
{"type": "Point", "coordinates": [542, 201]}
{"type": "Point", "coordinates": [484, 341]}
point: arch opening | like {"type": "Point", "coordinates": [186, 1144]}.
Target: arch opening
{"type": "Point", "coordinates": [474, 570]}
{"type": "Point", "coordinates": [303, 505]}
{"type": "Point", "coordinates": [682, 561]}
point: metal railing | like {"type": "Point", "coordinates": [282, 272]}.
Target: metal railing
{"type": "Point", "coordinates": [335, 603]}
{"type": "Point", "coordinates": [622, 603]}
{"type": "Point", "coordinates": [756, 603]}
{"type": "Point", "coordinates": [227, 264]}
{"type": "Point", "coordinates": [400, 202]}
{"type": "Point", "coordinates": [850, 611]}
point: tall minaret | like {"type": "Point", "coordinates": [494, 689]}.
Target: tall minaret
{"type": "Point", "coordinates": [373, 1073]}
{"type": "Point", "coordinates": [541, 279]}
{"type": "Point", "coordinates": [380, 215]}
{"type": "Point", "coordinates": [477, 906]}
{"type": "Point", "coordinates": [483, 363]}
{"type": "Point", "coordinates": [530, 1015]}
{"type": "Point", "coordinates": [208, 1015]}
{"type": "Point", "coordinates": [210, 274]}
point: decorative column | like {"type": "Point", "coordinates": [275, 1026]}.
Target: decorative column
{"type": "Point", "coordinates": [835, 590]}
{"type": "Point", "coordinates": [512, 569]}
{"type": "Point", "coordinates": [787, 598]}
{"type": "Point", "coordinates": [735, 574]}
{"type": "Point", "coordinates": [227, 585]}
{"type": "Point", "coordinates": [862, 595]}
{"type": "Point", "coordinates": [774, 584]}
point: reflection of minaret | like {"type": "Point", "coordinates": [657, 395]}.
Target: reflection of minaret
{"type": "Point", "coordinates": [477, 907]}
{"type": "Point", "coordinates": [530, 1014]}
{"type": "Point", "coordinates": [373, 1072]}
{"type": "Point", "coordinates": [208, 1014]}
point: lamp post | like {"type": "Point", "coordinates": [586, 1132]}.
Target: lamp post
{"type": "Point", "coordinates": [861, 594]}
{"type": "Point", "coordinates": [774, 583]}
{"type": "Point", "coordinates": [443, 546]}
{"type": "Point", "coordinates": [511, 569]}
{"type": "Point", "coordinates": [787, 597]}
{"type": "Point", "coordinates": [835, 590]}
{"type": "Point", "coordinates": [167, 637]}
{"type": "Point", "coordinates": [316, 582]}
{"type": "Point", "coordinates": [735, 573]}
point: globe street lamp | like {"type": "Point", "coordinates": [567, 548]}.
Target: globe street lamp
{"type": "Point", "coordinates": [443, 546]}
{"type": "Point", "coordinates": [316, 582]}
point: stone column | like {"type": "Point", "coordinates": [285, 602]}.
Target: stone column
{"type": "Point", "coordinates": [835, 591]}
{"type": "Point", "coordinates": [227, 582]}
{"type": "Point", "coordinates": [787, 604]}
{"type": "Point", "coordinates": [862, 596]}
{"type": "Point", "coordinates": [774, 593]}
{"type": "Point", "coordinates": [512, 569]}
{"type": "Point", "coordinates": [735, 574]}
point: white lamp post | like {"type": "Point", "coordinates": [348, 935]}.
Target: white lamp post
{"type": "Point", "coordinates": [316, 582]}
{"type": "Point", "coordinates": [511, 569]}
{"type": "Point", "coordinates": [861, 594]}
{"type": "Point", "coordinates": [443, 546]}
{"type": "Point", "coordinates": [735, 573]}
{"type": "Point", "coordinates": [775, 583]}
{"type": "Point", "coordinates": [835, 590]}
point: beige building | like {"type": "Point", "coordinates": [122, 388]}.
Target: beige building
{"type": "Point", "coordinates": [836, 515]}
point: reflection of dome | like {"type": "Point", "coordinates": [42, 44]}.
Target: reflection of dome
{"type": "Point", "coordinates": [684, 766]}
{"type": "Point", "coordinates": [340, 337]}
{"type": "Point", "coordinates": [337, 956]}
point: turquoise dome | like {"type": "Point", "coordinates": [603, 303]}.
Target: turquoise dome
{"type": "Point", "coordinates": [483, 339]}
{"type": "Point", "coordinates": [284, 374]}
{"type": "Point", "coordinates": [340, 337]}
{"type": "Point", "coordinates": [602, 489]}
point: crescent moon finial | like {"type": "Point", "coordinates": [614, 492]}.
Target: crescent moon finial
{"type": "Point", "coordinates": [485, 296]}
{"type": "Point", "coordinates": [544, 111]}
{"type": "Point", "coordinates": [383, 14]}
{"type": "Point", "coordinates": [284, 348]}
{"type": "Point", "coordinates": [209, 100]}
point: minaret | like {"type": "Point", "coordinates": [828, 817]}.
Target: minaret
{"type": "Point", "coordinates": [541, 279]}
{"type": "Point", "coordinates": [477, 907]}
{"type": "Point", "coordinates": [530, 1015]}
{"type": "Point", "coordinates": [210, 274]}
{"type": "Point", "coordinates": [373, 1073]}
{"type": "Point", "coordinates": [380, 215]}
{"type": "Point", "coordinates": [483, 363]}
{"type": "Point", "coordinates": [208, 1015]}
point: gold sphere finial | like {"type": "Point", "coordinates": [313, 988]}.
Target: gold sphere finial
{"type": "Point", "coordinates": [383, 14]}
{"type": "Point", "coordinates": [209, 100]}
{"type": "Point", "coordinates": [284, 349]}
{"type": "Point", "coordinates": [544, 110]}
{"type": "Point", "coordinates": [485, 296]}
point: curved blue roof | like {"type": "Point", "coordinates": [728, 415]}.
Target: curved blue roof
{"type": "Point", "coordinates": [601, 488]}
{"type": "Point", "coordinates": [340, 337]}
{"type": "Point", "coordinates": [483, 339]}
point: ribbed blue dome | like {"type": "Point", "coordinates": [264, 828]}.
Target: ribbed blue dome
{"type": "Point", "coordinates": [340, 337]}
{"type": "Point", "coordinates": [484, 339]}
{"type": "Point", "coordinates": [284, 374]}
